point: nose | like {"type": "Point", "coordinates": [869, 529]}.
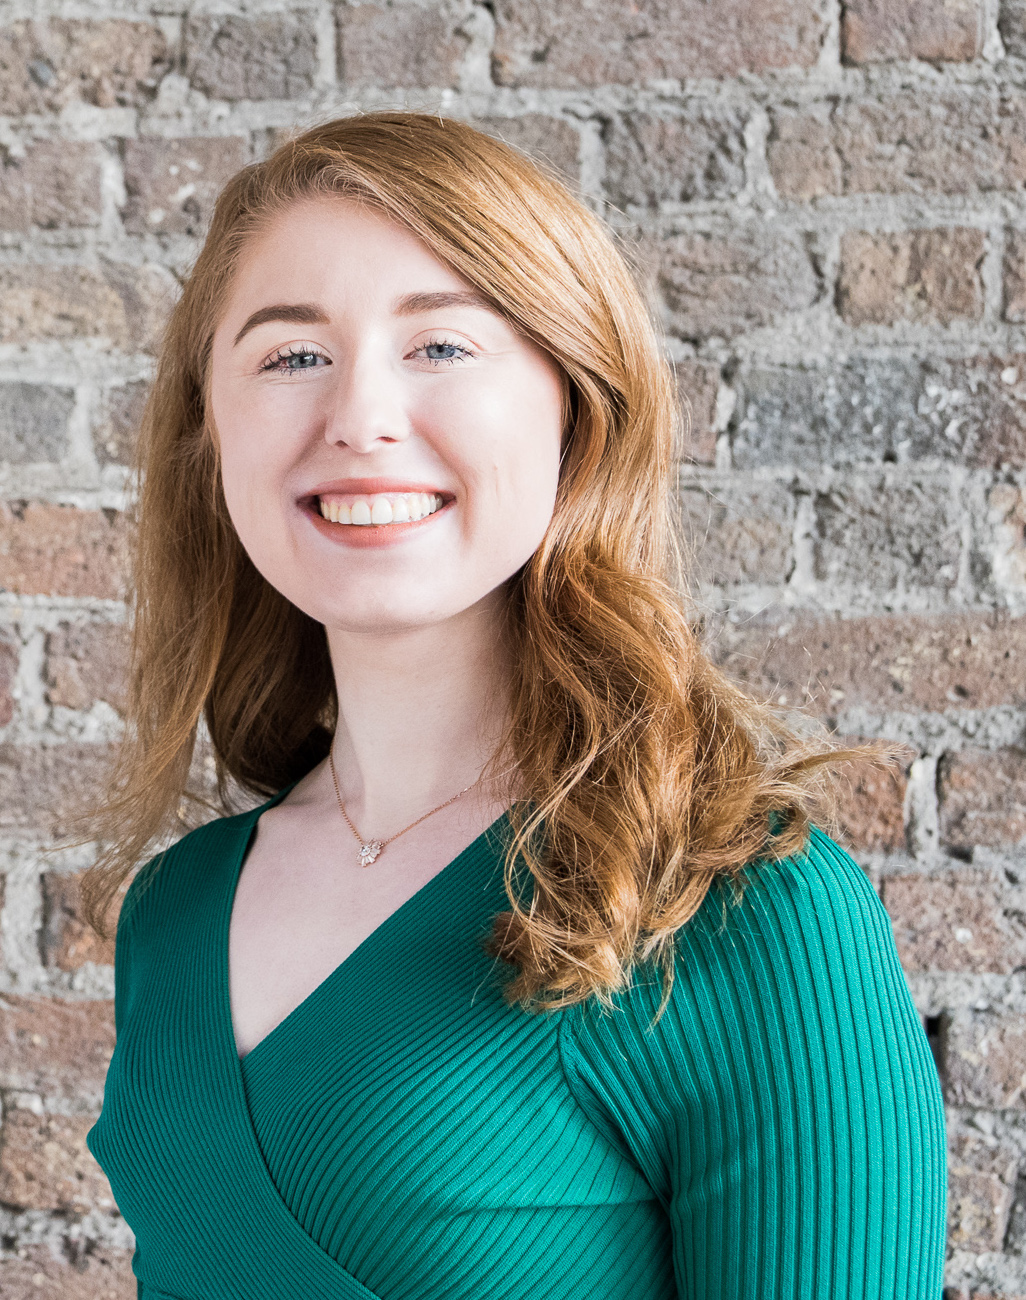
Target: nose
{"type": "Point", "coordinates": [368, 406]}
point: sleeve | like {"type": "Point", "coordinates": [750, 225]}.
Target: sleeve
{"type": "Point", "coordinates": [786, 1108]}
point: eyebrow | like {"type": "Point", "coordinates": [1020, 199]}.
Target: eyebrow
{"type": "Point", "coordinates": [297, 313]}
{"type": "Point", "coordinates": [308, 313]}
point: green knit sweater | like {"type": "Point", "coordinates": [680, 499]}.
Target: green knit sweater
{"type": "Point", "coordinates": [404, 1134]}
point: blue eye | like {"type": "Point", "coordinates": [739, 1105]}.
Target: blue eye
{"type": "Point", "coordinates": [441, 353]}
{"type": "Point", "coordinates": [294, 359]}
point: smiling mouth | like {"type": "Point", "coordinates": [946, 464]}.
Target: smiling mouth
{"type": "Point", "coordinates": [379, 509]}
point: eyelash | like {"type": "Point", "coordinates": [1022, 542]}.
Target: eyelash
{"type": "Point", "coordinates": [278, 361]}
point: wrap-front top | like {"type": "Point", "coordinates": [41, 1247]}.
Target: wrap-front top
{"type": "Point", "coordinates": [404, 1134]}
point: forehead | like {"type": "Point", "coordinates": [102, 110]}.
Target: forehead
{"type": "Point", "coordinates": [332, 249]}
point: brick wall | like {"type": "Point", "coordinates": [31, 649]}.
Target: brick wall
{"type": "Point", "coordinates": [827, 200]}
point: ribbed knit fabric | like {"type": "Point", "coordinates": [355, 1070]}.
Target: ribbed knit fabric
{"type": "Point", "coordinates": [404, 1134]}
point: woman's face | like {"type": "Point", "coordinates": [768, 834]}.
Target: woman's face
{"type": "Point", "coordinates": [355, 376]}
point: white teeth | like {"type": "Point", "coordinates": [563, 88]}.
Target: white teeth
{"type": "Point", "coordinates": [406, 507]}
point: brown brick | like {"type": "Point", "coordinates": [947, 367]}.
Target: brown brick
{"type": "Point", "coordinates": [126, 305]}
{"type": "Point", "coordinates": [55, 1048]}
{"type": "Point", "coordinates": [985, 1060]}
{"type": "Point", "coordinates": [46, 1165]}
{"type": "Point", "coordinates": [884, 536]}
{"type": "Point", "coordinates": [86, 662]}
{"type": "Point", "coordinates": [1015, 276]}
{"type": "Point", "coordinates": [8, 669]}
{"type": "Point", "coordinates": [46, 65]}
{"type": "Point", "coordinates": [565, 46]}
{"type": "Point", "coordinates": [61, 551]}
{"type": "Point", "coordinates": [980, 1189]}
{"type": "Point", "coordinates": [548, 139]}
{"type": "Point", "coordinates": [67, 940]}
{"type": "Point", "coordinates": [871, 811]}
{"type": "Point", "coordinates": [964, 920]}
{"type": "Point", "coordinates": [652, 160]}
{"type": "Point", "coordinates": [402, 44]}
{"type": "Point", "coordinates": [172, 184]}
{"type": "Point", "coordinates": [56, 184]}
{"type": "Point", "coordinates": [983, 797]}
{"type": "Point", "coordinates": [82, 1271]}
{"type": "Point", "coordinates": [956, 143]}
{"type": "Point", "coordinates": [231, 57]}
{"type": "Point", "coordinates": [725, 284]}
{"type": "Point", "coordinates": [890, 663]}
{"type": "Point", "coordinates": [741, 536]}
{"type": "Point", "coordinates": [918, 275]}
{"type": "Point", "coordinates": [935, 30]}
{"type": "Point", "coordinates": [1012, 25]}
{"type": "Point", "coordinates": [46, 786]}
{"type": "Point", "coordinates": [698, 383]}
{"type": "Point", "coordinates": [117, 435]}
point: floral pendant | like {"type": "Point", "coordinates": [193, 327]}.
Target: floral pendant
{"type": "Point", "coordinates": [368, 852]}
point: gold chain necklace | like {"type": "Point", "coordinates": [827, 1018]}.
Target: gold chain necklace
{"type": "Point", "coordinates": [369, 849]}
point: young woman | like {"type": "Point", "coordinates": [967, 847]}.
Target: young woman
{"type": "Point", "coordinates": [530, 979]}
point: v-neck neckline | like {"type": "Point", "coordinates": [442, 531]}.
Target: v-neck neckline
{"type": "Point", "coordinates": [222, 938]}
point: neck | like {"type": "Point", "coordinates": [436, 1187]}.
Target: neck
{"type": "Point", "coordinates": [421, 712]}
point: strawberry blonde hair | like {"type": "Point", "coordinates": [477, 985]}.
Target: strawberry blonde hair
{"type": "Point", "coordinates": [646, 774]}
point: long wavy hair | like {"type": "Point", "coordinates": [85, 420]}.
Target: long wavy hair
{"type": "Point", "coordinates": [644, 773]}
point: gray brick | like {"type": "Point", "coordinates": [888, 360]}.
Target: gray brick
{"type": "Point", "coordinates": [548, 139]}
{"type": "Point", "coordinates": [1012, 25]}
{"type": "Point", "coordinates": [404, 44]}
{"type": "Point", "coordinates": [881, 537]}
{"type": "Point", "coordinates": [118, 433]}
{"type": "Point", "coordinates": [741, 534]}
{"type": "Point", "coordinates": [726, 284]}
{"type": "Point", "coordinates": [272, 57]}
{"type": "Point", "coordinates": [56, 183]}
{"type": "Point", "coordinates": [652, 160]}
{"type": "Point", "coordinates": [872, 410]}
{"type": "Point", "coordinates": [34, 422]}
{"type": "Point", "coordinates": [172, 184]}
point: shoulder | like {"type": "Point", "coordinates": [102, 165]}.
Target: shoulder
{"type": "Point", "coordinates": [183, 869]}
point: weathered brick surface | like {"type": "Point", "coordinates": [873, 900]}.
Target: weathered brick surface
{"type": "Point", "coordinates": [983, 797]}
{"type": "Point", "coordinates": [172, 184]}
{"type": "Point", "coordinates": [742, 536]}
{"type": "Point", "coordinates": [402, 44]}
{"type": "Point", "coordinates": [981, 1180]}
{"type": "Point", "coordinates": [985, 1060]}
{"type": "Point", "coordinates": [548, 139]}
{"type": "Point", "coordinates": [55, 184]}
{"type": "Point", "coordinates": [34, 422]}
{"type": "Point", "coordinates": [887, 535]}
{"type": "Point", "coordinates": [724, 284]}
{"type": "Point", "coordinates": [871, 807]}
{"type": "Point", "coordinates": [931, 275]}
{"type": "Point", "coordinates": [964, 920]}
{"type": "Point", "coordinates": [875, 30]}
{"type": "Point", "coordinates": [539, 44]}
{"type": "Point", "coordinates": [974, 661]}
{"type": "Point", "coordinates": [698, 383]}
{"type": "Point", "coordinates": [871, 409]}
{"type": "Point", "coordinates": [124, 305]}
{"type": "Point", "coordinates": [46, 1165]}
{"type": "Point", "coordinates": [8, 668]}
{"type": "Point", "coordinates": [1006, 511]}
{"type": "Point", "coordinates": [46, 786]}
{"type": "Point", "coordinates": [96, 1272]}
{"type": "Point", "coordinates": [901, 143]}
{"type": "Point", "coordinates": [67, 941]}
{"type": "Point", "coordinates": [47, 65]}
{"type": "Point", "coordinates": [1012, 25]}
{"type": "Point", "coordinates": [233, 57]}
{"type": "Point", "coordinates": [652, 160]}
{"type": "Point", "coordinates": [61, 551]}
{"type": "Point", "coordinates": [117, 433]}
{"type": "Point", "coordinates": [86, 662]}
{"type": "Point", "coordinates": [55, 1048]}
